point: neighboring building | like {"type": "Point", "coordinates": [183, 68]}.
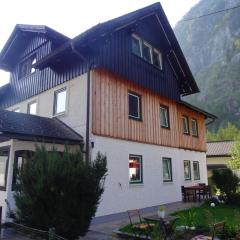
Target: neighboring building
{"type": "Point", "coordinates": [218, 153]}
{"type": "Point", "coordinates": [119, 85]}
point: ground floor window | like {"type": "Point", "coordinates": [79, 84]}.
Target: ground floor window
{"type": "Point", "coordinates": [4, 156]}
{"type": "Point", "coordinates": [135, 169]}
{"type": "Point", "coordinates": [167, 169]}
{"type": "Point", "coordinates": [196, 172]}
{"type": "Point", "coordinates": [187, 170]}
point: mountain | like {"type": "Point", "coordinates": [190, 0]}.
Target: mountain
{"type": "Point", "coordinates": [211, 45]}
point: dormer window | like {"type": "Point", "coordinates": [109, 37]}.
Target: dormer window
{"type": "Point", "coordinates": [26, 66]}
{"type": "Point", "coordinates": [146, 51]}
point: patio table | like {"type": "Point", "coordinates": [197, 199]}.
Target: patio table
{"type": "Point", "coordinates": [196, 188]}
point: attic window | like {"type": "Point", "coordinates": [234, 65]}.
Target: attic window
{"type": "Point", "coordinates": [26, 66]}
{"type": "Point", "coordinates": [146, 51]}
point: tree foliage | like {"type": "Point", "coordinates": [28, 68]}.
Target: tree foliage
{"type": "Point", "coordinates": [234, 162]}
{"type": "Point", "coordinates": [60, 190]}
{"type": "Point", "coordinates": [230, 132]}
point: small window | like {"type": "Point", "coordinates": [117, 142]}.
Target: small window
{"type": "Point", "coordinates": [167, 169]}
{"type": "Point", "coordinates": [164, 116]}
{"type": "Point", "coordinates": [135, 169]}
{"type": "Point", "coordinates": [32, 108]}
{"type": "Point", "coordinates": [194, 128]}
{"type": "Point", "coordinates": [26, 66]}
{"type": "Point", "coordinates": [157, 59]}
{"type": "Point", "coordinates": [147, 52]}
{"type": "Point", "coordinates": [4, 155]}
{"type": "Point", "coordinates": [60, 101]}
{"type": "Point", "coordinates": [136, 45]}
{"type": "Point", "coordinates": [16, 110]}
{"type": "Point", "coordinates": [187, 170]}
{"type": "Point", "coordinates": [185, 125]}
{"type": "Point", "coordinates": [134, 105]}
{"type": "Point", "coordinates": [196, 173]}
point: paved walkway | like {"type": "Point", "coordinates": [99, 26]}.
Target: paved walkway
{"type": "Point", "coordinates": [103, 230]}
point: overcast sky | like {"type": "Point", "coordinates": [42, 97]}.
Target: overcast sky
{"type": "Point", "coordinates": [71, 17]}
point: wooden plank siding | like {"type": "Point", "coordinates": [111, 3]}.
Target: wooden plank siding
{"type": "Point", "coordinates": [110, 115]}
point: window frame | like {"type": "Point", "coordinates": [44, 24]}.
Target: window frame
{"type": "Point", "coordinates": [140, 44]}
{"type": "Point", "coordinates": [29, 61]}
{"type": "Point", "coordinates": [159, 58]}
{"type": "Point", "coordinates": [56, 92]}
{"type": "Point", "coordinates": [189, 169]}
{"type": "Point", "coordinates": [144, 43]}
{"type": "Point", "coordinates": [194, 120]}
{"type": "Point", "coordinates": [171, 175]}
{"type": "Point", "coordinates": [198, 167]}
{"type": "Point", "coordinates": [141, 168]}
{"type": "Point", "coordinates": [29, 106]}
{"type": "Point", "coordinates": [167, 117]}
{"type": "Point", "coordinates": [5, 148]}
{"type": "Point", "coordinates": [187, 121]}
{"type": "Point", "coordinates": [139, 118]}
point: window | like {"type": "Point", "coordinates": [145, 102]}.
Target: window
{"type": "Point", "coordinates": [147, 52]}
{"type": "Point", "coordinates": [26, 66]}
{"type": "Point", "coordinates": [136, 45]}
{"type": "Point", "coordinates": [32, 108]}
{"type": "Point", "coordinates": [185, 125]}
{"type": "Point", "coordinates": [194, 128]}
{"type": "Point", "coordinates": [196, 173]}
{"type": "Point", "coordinates": [60, 101]}
{"type": "Point", "coordinates": [157, 58]}
{"type": "Point", "coordinates": [16, 110]}
{"type": "Point", "coordinates": [164, 116]}
{"type": "Point", "coordinates": [134, 106]}
{"type": "Point", "coordinates": [4, 154]}
{"type": "Point", "coordinates": [135, 169]}
{"type": "Point", "coordinates": [167, 169]}
{"type": "Point", "coordinates": [187, 170]}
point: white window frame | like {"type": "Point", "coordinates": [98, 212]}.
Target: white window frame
{"type": "Point", "coordinates": [29, 106]}
{"type": "Point", "coordinates": [159, 57]}
{"type": "Point", "coordinates": [140, 42]}
{"type": "Point", "coordinates": [198, 169]}
{"type": "Point", "coordinates": [185, 120]}
{"type": "Point", "coordinates": [166, 116]}
{"type": "Point", "coordinates": [56, 92]}
{"type": "Point", "coordinates": [189, 169]}
{"type": "Point", "coordinates": [150, 47]}
{"type": "Point", "coordinates": [194, 123]}
{"type": "Point", "coordinates": [139, 108]}
{"type": "Point", "coordinates": [169, 160]}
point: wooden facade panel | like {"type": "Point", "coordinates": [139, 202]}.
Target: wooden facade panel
{"type": "Point", "coordinates": [110, 115]}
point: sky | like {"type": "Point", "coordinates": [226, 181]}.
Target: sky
{"type": "Point", "coordinates": [71, 17]}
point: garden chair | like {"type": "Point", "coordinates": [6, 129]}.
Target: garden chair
{"type": "Point", "coordinates": [205, 193]}
{"type": "Point", "coordinates": [217, 229]}
{"type": "Point", "coordinates": [138, 226]}
{"type": "Point", "coordinates": [186, 194]}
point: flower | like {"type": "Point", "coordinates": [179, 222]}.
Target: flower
{"type": "Point", "coordinates": [212, 204]}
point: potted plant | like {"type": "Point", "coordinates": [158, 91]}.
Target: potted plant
{"type": "Point", "coordinates": [161, 212]}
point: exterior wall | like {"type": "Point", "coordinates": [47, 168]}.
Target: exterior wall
{"type": "Point", "coordinates": [15, 146]}
{"type": "Point", "coordinates": [120, 196]}
{"type": "Point", "coordinates": [110, 115]}
{"type": "Point", "coordinates": [75, 115]}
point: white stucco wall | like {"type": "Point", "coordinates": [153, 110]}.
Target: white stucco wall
{"type": "Point", "coordinates": [120, 196]}
{"type": "Point", "coordinates": [75, 115]}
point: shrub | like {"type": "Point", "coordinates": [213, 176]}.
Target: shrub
{"type": "Point", "coordinates": [226, 181]}
{"type": "Point", "coordinates": [60, 191]}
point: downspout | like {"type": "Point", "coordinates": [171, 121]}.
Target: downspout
{"type": "Point", "coordinates": [89, 68]}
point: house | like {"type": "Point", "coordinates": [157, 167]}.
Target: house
{"type": "Point", "coordinates": [115, 88]}
{"type": "Point", "coordinates": [218, 153]}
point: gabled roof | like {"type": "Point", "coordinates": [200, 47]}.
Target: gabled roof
{"type": "Point", "coordinates": [219, 148]}
{"type": "Point", "coordinates": [19, 33]}
{"type": "Point", "coordinates": [176, 56]}
{"type": "Point", "coordinates": [35, 128]}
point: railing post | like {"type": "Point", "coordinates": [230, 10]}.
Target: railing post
{"type": "Point", "coordinates": [51, 233]}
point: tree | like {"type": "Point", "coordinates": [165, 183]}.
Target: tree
{"type": "Point", "coordinates": [234, 162]}
{"type": "Point", "coordinates": [60, 190]}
